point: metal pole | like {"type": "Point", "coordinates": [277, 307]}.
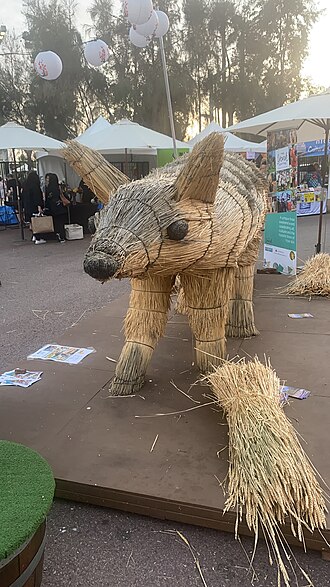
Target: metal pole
{"type": "Point", "coordinates": [168, 95]}
{"type": "Point", "coordinates": [318, 246]}
{"type": "Point", "coordinates": [20, 213]}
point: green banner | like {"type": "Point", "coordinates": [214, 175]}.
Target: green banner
{"type": "Point", "coordinates": [280, 242]}
{"type": "Point", "coordinates": [165, 156]}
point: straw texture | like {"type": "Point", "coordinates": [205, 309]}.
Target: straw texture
{"type": "Point", "coordinates": [271, 480]}
{"type": "Point", "coordinates": [145, 323]}
{"type": "Point", "coordinates": [198, 218]}
{"type": "Point", "coordinates": [99, 175]}
{"type": "Point", "coordinates": [206, 299]}
{"type": "Point", "coordinates": [314, 279]}
{"type": "Point", "coordinates": [241, 315]}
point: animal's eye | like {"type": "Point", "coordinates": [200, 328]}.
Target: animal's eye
{"type": "Point", "coordinates": [178, 230]}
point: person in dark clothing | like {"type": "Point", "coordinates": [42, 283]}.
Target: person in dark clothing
{"type": "Point", "coordinates": [54, 206]}
{"type": "Point", "coordinates": [32, 196]}
{"type": "Point", "coordinates": [86, 193]}
{"type": "Point", "coordinates": [11, 185]}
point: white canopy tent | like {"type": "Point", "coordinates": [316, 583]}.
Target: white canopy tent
{"type": "Point", "coordinates": [232, 143]}
{"type": "Point", "coordinates": [54, 162]}
{"type": "Point", "coordinates": [310, 117]}
{"type": "Point", "coordinates": [14, 137]}
{"type": "Point", "coordinates": [128, 137]}
{"type": "Point", "coordinates": [101, 124]}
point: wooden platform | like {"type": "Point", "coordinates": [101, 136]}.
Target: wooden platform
{"type": "Point", "coordinates": [100, 450]}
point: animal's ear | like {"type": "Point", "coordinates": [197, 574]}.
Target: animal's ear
{"type": "Point", "coordinates": [199, 178]}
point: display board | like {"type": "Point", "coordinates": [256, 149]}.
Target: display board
{"type": "Point", "coordinates": [280, 242]}
{"type": "Point", "coordinates": [282, 169]}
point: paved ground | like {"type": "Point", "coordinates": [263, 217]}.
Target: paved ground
{"type": "Point", "coordinates": [44, 291]}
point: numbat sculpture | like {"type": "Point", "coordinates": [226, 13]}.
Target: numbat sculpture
{"type": "Point", "coordinates": [199, 218]}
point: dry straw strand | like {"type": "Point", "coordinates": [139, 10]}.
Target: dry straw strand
{"type": "Point", "coordinates": [97, 173]}
{"type": "Point", "coordinates": [271, 479]}
{"type": "Point", "coordinates": [314, 279]}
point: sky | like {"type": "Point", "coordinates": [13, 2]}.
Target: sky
{"type": "Point", "coordinates": [10, 15]}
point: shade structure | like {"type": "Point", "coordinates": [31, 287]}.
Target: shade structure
{"type": "Point", "coordinates": [101, 124]}
{"type": "Point", "coordinates": [126, 136]}
{"type": "Point", "coordinates": [310, 117]}
{"type": "Point", "coordinates": [15, 136]}
{"type": "Point", "coordinates": [232, 143]}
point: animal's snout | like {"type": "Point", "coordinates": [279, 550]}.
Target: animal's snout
{"type": "Point", "coordinates": [100, 266]}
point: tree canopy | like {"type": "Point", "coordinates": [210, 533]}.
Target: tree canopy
{"type": "Point", "coordinates": [227, 60]}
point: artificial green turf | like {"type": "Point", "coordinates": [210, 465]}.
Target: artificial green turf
{"type": "Point", "coordinates": [26, 494]}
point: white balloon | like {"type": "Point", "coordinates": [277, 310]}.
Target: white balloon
{"type": "Point", "coordinates": [137, 11]}
{"type": "Point", "coordinates": [96, 52]}
{"type": "Point", "coordinates": [149, 28]}
{"type": "Point", "coordinates": [136, 39]}
{"type": "Point", "coordinates": [48, 65]}
{"type": "Point", "coordinates": [164, 24]}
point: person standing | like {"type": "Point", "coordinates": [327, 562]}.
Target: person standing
{"type": "Point", "coordinates": [32, 196]}
{"type": "Point", "coordinates": [2, 191]}
{"type": "Point", "coordinates": [54, 205]}
{"type": "Point", "coordinates": [313, 177]}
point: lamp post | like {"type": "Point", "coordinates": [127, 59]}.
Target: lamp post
{"type": "Point", "coordinates": [140, 34]}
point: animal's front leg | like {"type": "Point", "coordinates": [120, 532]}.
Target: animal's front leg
{"type": "Point", "coordinates": [145, 323]}
{"type": "Point", "coordinates": [206, 303]}
{"type": "Point", "coordinates": [241, 314]}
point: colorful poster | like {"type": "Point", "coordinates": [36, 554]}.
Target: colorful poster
{"type": "Point", "coordinates": [61, 354]}
{"type": "Point", "coordinates": [280, 245]}
{"type": "Point", "coordinates": [282, 169]}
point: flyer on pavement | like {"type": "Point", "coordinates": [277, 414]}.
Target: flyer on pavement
{"type": "Point", "coordinates": [62, 354]}
{"type": "Point", "coordinates": [20, 379]}
{"type": "Point", "coordinates": [296, 392]}
{"type": "Point", "coordinates": [301, 315]}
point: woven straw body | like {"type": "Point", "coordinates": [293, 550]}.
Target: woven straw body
{"type": "Point", "coordinates": [198, 218]}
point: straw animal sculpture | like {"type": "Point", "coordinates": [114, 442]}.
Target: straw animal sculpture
{"type": "Point", "coordinates": [199, 218]}
{"type": "Point", "coordinates": [314, 279]}
{"type": "Point", "coordinates": [99, 175]}
{"type": "Point", "coordinates": [271, 480]}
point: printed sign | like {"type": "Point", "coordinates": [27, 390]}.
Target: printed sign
{"type": "Point", "coordinates": [282, 159]}
{"type": "Point", "coordinates": [280, 248]}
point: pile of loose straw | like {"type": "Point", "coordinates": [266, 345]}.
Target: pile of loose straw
{"type": "Point", "coordinates": [271, 480]}
{"type": "Point", "coordinates": [314, 279]}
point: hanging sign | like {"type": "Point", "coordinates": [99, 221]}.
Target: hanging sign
{"type": "Point", "coordinates": [282, 159]}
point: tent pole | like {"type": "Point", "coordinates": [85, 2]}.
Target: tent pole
{"type": "Point", "coordinates": [20, 213]}
{"type": "Point", "coordinates": [318, 246]}
{"type": "Point", "coordinates": [168, 95]}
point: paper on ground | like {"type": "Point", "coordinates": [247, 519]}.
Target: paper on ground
{"type": "Point", "coordinates": [21, 379]}
{"type": "Point", "coordinates": [300, 315]}
{"type": "Point", "coordinates": [296, 392]}
{"type": "Point", "coordinates": [62, 354]}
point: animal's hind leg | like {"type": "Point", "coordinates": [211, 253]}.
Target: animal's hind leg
{"type": "Point", "coordinates": [207, 302]}
{"type": "Point", "coordinates": [145, 323]}
{"type": "Point", "coordinates": [241, 313]}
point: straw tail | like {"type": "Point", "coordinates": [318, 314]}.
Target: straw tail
{"type": "Point", "coordinates": [97, 173]}
{"type": "Point", "coordinates": [199, 178]}
{"type": "Point", "coordinates": [145, 323]}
